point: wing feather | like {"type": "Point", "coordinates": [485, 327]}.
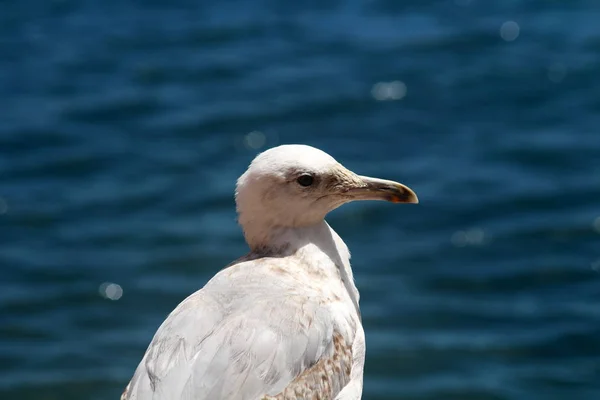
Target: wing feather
{"type": "Point", "coordinates": [234, 339]}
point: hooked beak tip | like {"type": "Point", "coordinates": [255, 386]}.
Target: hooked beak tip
{"type": "Point", "coordinates": [406, 195]}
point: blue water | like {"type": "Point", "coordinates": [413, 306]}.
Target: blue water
{"type": "Point", "coordinates": [124, 125]}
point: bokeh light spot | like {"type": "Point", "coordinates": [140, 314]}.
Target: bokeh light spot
{"type": "Point", "coordinates": [383, 91]}
{"type": "Point", "coordinates": [596, 224]}
{"type": "Point", "coordinates": [459, 239]}
{"type": "Point", "coordinates": [509, 31]}
{"type": "Point", "coordinates": [557, 72]}
{"type": "Point", "coordinates": [470, 237]}
{"type": "Point", "coordinates": [3, 206]}
{"type": "Point", "coordinates": [255, 140]}
{"type": "Point", "coordinates": [111, 291]}
{"type": "Point", "coordinates": [475, 236]}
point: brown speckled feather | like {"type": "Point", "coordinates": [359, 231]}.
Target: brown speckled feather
{"type": "Point", "coordinates": [124, 394]}
{"type": "Point", "coordinates": [325, 379]}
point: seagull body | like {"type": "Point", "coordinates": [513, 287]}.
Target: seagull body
{"type": "Point", "coordinates": [283, 322]}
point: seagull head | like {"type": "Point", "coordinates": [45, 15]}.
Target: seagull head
{"type": "Point", "coordinates": [297, 185]}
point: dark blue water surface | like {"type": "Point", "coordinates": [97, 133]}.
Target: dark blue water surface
{"type": "Point", "coordinates": [124, 125]}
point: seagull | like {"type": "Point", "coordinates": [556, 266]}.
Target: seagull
{"type": "Point", "coordinates": [282, 322]}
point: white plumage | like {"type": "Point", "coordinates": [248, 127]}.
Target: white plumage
{"type": "Point", "coordinates": [282, 322]}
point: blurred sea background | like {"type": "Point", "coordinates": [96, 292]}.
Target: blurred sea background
{"type": "Point", "coordinates": [124, 125]}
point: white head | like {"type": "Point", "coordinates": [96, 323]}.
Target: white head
{"type": "Point", "coordinates": [296, 185]}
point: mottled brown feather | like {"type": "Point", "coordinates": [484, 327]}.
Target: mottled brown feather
{"type": "Point", "coordinates": [124, 395]}
{"type": "Point", "coordinates": [325, 379]}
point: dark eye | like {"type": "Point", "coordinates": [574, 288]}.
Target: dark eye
{"type": "Point", "coordinates": [305, 180]}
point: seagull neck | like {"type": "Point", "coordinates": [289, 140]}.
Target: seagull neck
{"type": "Point", "coordinates": [308, 241]}
{"type": "Point", "coordinates": [284, 241]}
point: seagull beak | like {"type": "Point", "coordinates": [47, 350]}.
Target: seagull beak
{"type": "Point", "coordinates": [381, 189]}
